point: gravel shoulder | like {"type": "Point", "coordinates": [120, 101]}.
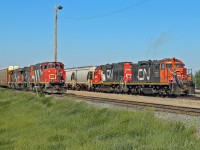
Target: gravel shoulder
{"type": "Point", "coordinates": [148, 99]}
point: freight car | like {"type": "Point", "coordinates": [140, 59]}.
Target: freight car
{"type": "Point", "coordinates": [155, 77]}
{"type": "Point", "coordinates": [80, 78]}
{"type": "Point", "coordinates": [47, 77]}
{"type": "Point", "coordinates": [4, 77]}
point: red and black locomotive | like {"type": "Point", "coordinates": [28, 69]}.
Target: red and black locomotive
{"type": "Point", "coordinates": [163, 77]}
{"type": "Point", "coordinates": [112, 77]}
{"type": "Point", "coordinates": [47, 77]}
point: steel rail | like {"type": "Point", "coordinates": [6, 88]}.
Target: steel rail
{"type": "Point", "coordinates": [189, 97]}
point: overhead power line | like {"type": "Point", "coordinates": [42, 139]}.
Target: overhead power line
{"type": "Point", "coordinates": [109, 13]}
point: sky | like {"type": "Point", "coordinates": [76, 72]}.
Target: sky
{"type": "Point", "coordinates": [95, 32]}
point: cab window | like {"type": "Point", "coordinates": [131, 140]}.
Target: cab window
{"type": "Point", "coordinates": [51, 66]}
{"type": "Point", "coordinates": [163, 66]}
{"type": "Point", "coordinates": [179, 65]}
{"type": "Point", "coordinates": [54, 65]}
{"type": "Point", "coordinates": [59, 66]}
{"type": "Point", "coordinates": [168, 65]}
{"type": "Point", "coordinates": [45, 67]}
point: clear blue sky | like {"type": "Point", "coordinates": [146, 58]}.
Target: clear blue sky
{"type": "Point", "coordinates": [154, 29]}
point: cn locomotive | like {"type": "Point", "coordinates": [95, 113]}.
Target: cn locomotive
{"type": "Point", "coordinates": [154, 77]}
{"type": "Point", "coordinates": [49, 77]}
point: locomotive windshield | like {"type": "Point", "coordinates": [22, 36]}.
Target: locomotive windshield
{"type": "Point", "coordinates": [168, 65]}
{"type": "Point", "coordinates": [59, 66]}
{"type": "Point", "coordinates": [179, 65]}
{"type": "Point", "coordinates": [54, 65]}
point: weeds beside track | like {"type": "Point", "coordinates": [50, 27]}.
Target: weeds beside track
{"type": "Point", "coordinates": [31, 122]}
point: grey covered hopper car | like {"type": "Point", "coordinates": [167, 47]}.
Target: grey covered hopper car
{"type": "Point", "coordinates": [80, 78]}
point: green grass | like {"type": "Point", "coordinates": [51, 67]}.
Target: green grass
{"type": "Point", "coordinates": [28, 122]}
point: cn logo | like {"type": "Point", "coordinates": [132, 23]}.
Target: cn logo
{"type": "Point", "coordinates": [128, 76]}
{"type": "Point", "coordinates": [142, 74]}
{"type": "Point", "coordinates": [109, 74]}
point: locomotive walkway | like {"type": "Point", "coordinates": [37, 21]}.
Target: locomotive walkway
{"type": "Point", "coordinates": [176, 105]}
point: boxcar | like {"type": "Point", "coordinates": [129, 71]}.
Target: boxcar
{"type": "Point", "coordinates": [4, 75]}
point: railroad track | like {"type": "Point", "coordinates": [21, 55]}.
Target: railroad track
{"type": "Point", "coordinates": [189, 97]}
{"type": "Point", "coordinates": [136, 104]}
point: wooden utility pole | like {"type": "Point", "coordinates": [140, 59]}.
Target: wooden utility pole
{"type": "Point", "coordinates": [55, 30]}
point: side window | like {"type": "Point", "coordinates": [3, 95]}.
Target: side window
{"type": "Point", "coordinates": [163, 66]}
{"type": "Point", "coordinates": [45, 67]}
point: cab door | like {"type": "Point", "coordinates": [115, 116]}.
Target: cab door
{"type": "Point", "coordinates": [162, 73]}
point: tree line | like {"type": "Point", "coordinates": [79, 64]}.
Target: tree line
{"type": "Point", "coordinates": [197, 78]}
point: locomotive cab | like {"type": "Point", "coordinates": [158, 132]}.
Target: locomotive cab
{"type": "Point", "coordinates": [53, 72]}
{"type": "Point", "coordinates": [173, 71]}
{"type": "Point", "coordinates": [50, 76]}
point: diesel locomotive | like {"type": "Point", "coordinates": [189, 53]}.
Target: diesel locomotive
{"type": "Point", "coordinates": [49, 77]}
{"type": "Point", "coordinates": [159, 77]}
